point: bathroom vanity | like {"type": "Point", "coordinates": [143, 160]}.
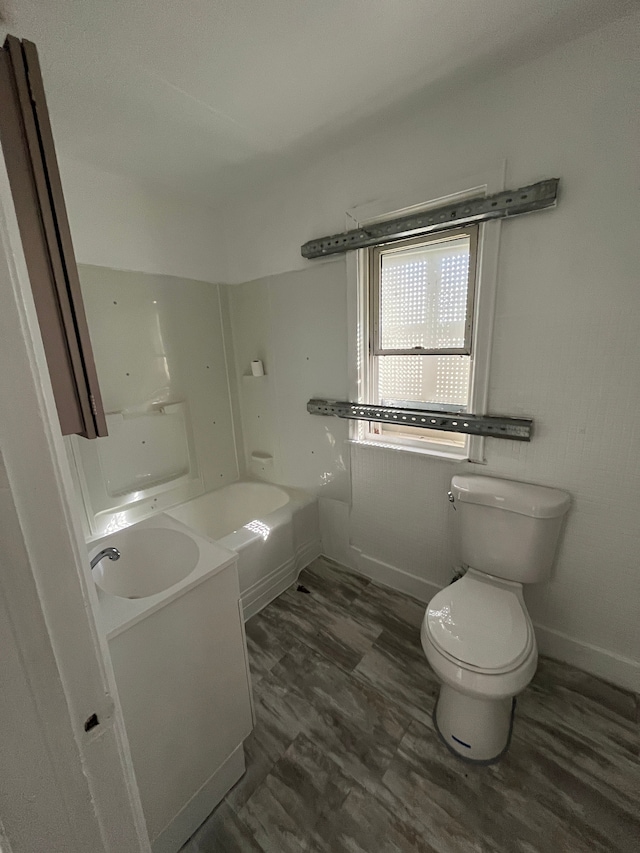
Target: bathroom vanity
{"type": "Point", "coordinates": [180, 664]}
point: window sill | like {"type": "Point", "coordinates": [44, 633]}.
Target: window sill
{"type": "Point", "coordinates": [450, 456]}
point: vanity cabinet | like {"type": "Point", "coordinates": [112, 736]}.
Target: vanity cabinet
{"type": "Point", "coordinates": [184, 685]}
{"type": "Point", "coordinates": [29, 153]}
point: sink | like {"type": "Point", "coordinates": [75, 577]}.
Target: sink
{"type": "Point", "coordinates": [152, 559]}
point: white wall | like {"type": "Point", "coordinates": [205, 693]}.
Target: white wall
{"type": "Point", "coordinates": [571, 113]}
{"type": "Point", "coordinates": [116, 222]}
{"type": "Point", "coordinates": [565, 348]}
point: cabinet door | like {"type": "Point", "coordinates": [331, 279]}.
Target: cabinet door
{"type": "Point", "coordinates": [29, 152]}
{"type": "Point", "coordinates": [184, 686]}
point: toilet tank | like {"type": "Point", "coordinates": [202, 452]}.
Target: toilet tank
{"type": "Point", "coordinates": [508, 529]}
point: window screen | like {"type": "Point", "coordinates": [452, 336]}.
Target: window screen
{"type": "Point", "coordinates": [408, 379]}
{"type": "Point", "coordinates": [423, 296]}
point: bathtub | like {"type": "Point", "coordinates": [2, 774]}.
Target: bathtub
{"type": "Point", "coordinates": [273, 529]}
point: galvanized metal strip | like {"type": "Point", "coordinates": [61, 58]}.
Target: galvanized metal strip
{"type": "Point", "coordinates": [495, 426]}
{"type": "Point", "coordinates": [538, 196]}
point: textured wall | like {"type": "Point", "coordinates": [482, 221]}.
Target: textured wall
{"type": "Point", "coordinates": [124, 224]}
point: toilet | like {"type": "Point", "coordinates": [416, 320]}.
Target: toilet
{"type": "Point", "coordinates": [476, 633]}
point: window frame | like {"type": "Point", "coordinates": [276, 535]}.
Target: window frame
{"type": "Point", "coordinates": [489, 181]}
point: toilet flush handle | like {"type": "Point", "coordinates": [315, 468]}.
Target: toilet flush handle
{"type": "Point", "coordinates": [452, 500]}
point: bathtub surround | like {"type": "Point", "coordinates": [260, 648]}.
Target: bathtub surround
{"type": "Point", "coordinates": [324, 773]}
{"type": "Point", "coordinates": [564, 349]}
{"type": "Point", "coordinates": [160, 353]}
{"type": "Point", "coordinates": [296, 324]}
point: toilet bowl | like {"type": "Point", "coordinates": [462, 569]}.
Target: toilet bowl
{"type": "Point", "coordinates": [479, 641]}
{"type": "Point", "coordinates": [476, 633]}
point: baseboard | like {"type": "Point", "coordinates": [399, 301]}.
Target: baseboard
{"type": "Point", "coordinates": [200, 806]}
{"type": "Point", "coordinates": [618, 670]}
{"type": "Point", "coordinates": [274, 584]}
{"type": "Point", "coordinates": [599, 662]}
{"type": "Point", "coordinates": [393, 577]}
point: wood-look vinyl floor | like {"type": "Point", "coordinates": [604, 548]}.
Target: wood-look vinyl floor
{"type": "Point", "coordinates": [344, 757]}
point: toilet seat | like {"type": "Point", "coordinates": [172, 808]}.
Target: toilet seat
{"type": "Point", "coordinates": [480, 624]}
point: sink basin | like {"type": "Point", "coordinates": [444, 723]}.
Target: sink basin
{"type": "Point", "coordinates": [152, 559]}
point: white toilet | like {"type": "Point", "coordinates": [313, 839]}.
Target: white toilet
{"type": "Point", "coordinates": [476, 633]}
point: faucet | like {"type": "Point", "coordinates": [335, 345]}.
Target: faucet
{"type": "Point", "coordinates": [111, 553]}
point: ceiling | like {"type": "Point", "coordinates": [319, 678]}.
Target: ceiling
{"type": "Point", "coordinates": [187, 93]}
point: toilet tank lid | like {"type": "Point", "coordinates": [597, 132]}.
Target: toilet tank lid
{"type": "Point", "coordinates": [523, 498]}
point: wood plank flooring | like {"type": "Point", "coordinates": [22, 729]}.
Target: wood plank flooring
{"type": "Point", "coordinates": [344, 758]}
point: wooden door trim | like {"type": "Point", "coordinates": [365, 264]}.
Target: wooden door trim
{"type": "Point", "coordinates": [37, 190]}
{"type": "Point", "coordinates": [67, 255]}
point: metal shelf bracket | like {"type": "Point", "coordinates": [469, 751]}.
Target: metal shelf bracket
{"type": "Point", "coordinates": [504, 204]}
{"type": "Point", "coordinates": [495, 426]}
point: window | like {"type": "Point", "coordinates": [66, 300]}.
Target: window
{"type": "Point", "coordinates": [418, 301]}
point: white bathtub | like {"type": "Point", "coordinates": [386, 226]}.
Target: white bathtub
{"type": "Point", "coordinates": [273, 529]}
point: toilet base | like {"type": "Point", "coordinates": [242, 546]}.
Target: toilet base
{"type": "Point", "coordinates": [478, 730]}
